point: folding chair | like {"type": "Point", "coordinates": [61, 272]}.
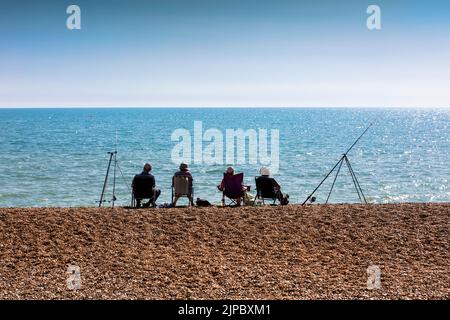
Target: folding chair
{"type": "Point", "coordinates": [142, 189]}
{"type": "Point", "coordinates": [265, 189]}
{"type": "Point", "coordinates": [232, 188]}
{"type": "Point", "coordinates": [182, 187]}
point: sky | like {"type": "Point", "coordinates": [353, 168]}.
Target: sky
{"type": "Point", "coordinates": [225, 53]}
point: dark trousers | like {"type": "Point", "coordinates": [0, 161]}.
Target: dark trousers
{"type": "Point", "coordinates": [283, 198]}
{"type": "Point", "coordinates": [156, 194]}
{"type": "Point", "coordinates": [279, 195]}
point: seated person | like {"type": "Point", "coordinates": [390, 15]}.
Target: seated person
{"type": "Point", "coordinates": [184, 172]}
{"type": "Point", "coordinates": [221, 186]}
{"type": "Point", "coordinates": [265, 175]}
{"type": "Point", "coordinates": [145, 175]}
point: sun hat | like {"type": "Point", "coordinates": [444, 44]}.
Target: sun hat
{"type": "Point", "coordinates": [264, 171]}
{"type": "Point", "coordinates": [230, 170]}
{"type": "Point", "coordinates": [184, 166]}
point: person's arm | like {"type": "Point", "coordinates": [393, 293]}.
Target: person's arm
{"type": "Point", "coordinates": [132, 183]}
{"type": "Point", "coordinates": [153, 182]}
{"type": "Point", "coordinates": [188, 175]}
{"type": "Point", "coordinates": [275, 184]}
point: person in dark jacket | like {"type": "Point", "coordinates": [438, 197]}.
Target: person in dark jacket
{"type": "Point", "coordinates": [265, 176]}
{"type": "Point", "coordinates": [145, 180]}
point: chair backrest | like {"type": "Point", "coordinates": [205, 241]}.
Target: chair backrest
{"type": "Point", "coordinates": [182, 186]}
{"type": "Point", "coordinates": [143, 186]}
{"type": "Point", "coordinates": [233, 185]}
{"type": "Point", "coordinates": [265, 187]}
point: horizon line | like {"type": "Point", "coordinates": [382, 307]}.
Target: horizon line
{"type": "Point", "coordinates": [223, 107]}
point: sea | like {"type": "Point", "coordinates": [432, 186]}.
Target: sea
{"type": "Point", "coordinates": [59, 157]}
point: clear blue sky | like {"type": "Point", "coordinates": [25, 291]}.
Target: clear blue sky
{"type": "Point", "coordinates": [225, 53]}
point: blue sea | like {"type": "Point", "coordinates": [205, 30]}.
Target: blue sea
{"type": "Point", "coordinates": [58, 157]}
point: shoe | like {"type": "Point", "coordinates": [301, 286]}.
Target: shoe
{"type": "Point", "coordinates": [146, 205]}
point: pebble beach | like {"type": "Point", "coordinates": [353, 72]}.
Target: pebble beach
{"type": "Point", "coordinates": [290, 252]}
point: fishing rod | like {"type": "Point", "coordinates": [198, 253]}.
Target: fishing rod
{"type": "Point", "coordinates": [111, 155]}
{"type": "Point", "coordinates": [342, 160]}
{"type": "Point", "coordinates": [354, 143]}
{"type": "Point", "coordinates": [115, 168]}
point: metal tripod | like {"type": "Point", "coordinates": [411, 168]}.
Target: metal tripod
{"type": "Point", "coordinates": [358, 188]}
{"type": "Point", "coordinates": [112, 155]}
{"type": "Point", "coordinates": [112, 158]}
{"type": "Point", "coordinates": [338, 165]}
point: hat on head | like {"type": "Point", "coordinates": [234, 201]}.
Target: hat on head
{"type": "Point", "coordinates": [264, 171]}
{"type": "Point", "coordinates": [184, 166]}
{"type": "Point", "coordinates": [230, 170]}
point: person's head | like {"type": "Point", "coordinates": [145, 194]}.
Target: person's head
{"type": "Point", "coordinates": [312, 200]}
{"type": "Point", "coordinates": [264, 171]}
{"type": "Point", "coordinates": [230, 171]}
{"type": "Point", "coordinates": [147, 167]}
{"type": "Point", "coordinates": [184, 167]}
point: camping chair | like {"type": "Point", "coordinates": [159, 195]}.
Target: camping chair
{"type": "Point", "coordinates": [265, 190]}
{"type": "Point", "coordinates": [232, 188]}
{"type": "Point", "coordinates": [142, 189]}
{"type": "Point", "coordinates": [181, 187]}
